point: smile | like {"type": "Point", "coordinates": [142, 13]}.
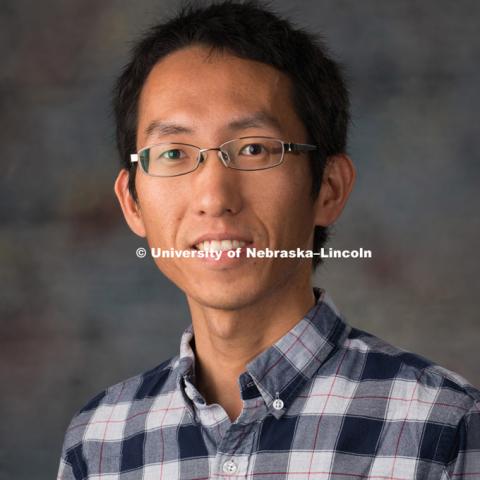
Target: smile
{"type": "Point", "coordinates": [219, 245]}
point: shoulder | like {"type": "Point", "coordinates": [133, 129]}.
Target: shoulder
{"type": "Point", "coordinates": [414, 386]}
{"type": "Point", "coordinates": [115, 402]}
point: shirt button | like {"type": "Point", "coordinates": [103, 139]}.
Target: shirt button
{"type": "Point", "coordinates": [230, 466]}
{"type": "Point", "coordinates": [278, 404]}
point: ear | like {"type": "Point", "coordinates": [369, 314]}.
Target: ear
{"type": "Point", "coordinates": [130, 207]}
{"type": "Point", "coordinates": [337, 183]}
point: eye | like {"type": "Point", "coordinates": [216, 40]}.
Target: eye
{"type": "Point", "coordinates": [172, 154]}
{"type": "Point", "coordinates": [253, 149]}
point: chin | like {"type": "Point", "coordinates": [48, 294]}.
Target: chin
{"type": "Point", "coordinates": [232, 297]}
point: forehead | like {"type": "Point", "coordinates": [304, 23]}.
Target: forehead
{"type": "Point", "coordinates": [199, 87]}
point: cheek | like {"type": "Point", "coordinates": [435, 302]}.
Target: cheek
{"type": "Point", "coordinates": [282, 199]}
{"type": "Point", "coordinates": [161, 211]}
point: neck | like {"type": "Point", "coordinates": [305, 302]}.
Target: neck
{"type": "Point", "coordinates": [227, 340]}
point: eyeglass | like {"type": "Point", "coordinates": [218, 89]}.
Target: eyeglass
{"type": "Point", "coordinates": [246, 153]}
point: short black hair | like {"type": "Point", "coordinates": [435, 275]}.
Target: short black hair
{"type": "Point", "coordinates": [249, 30]}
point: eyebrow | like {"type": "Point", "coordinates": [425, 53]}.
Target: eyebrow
{"type": "Point", "coordinates": [255, 120]}
{"type": "Point", "coordinates": [165, 128]}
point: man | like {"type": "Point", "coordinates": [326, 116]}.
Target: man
{"type": "Point", "coordinates": [232, 128]}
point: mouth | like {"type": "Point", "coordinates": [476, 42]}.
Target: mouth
{"type": "Point", "coordinates": [220, 245]}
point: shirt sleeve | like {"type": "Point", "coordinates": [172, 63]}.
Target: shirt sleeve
{"type": "Point", "coordinates": [73, 465]}
{"type": "Point", "coordinates": [65, 471]}
{"type": "Point", "coordinates": [465, 463]}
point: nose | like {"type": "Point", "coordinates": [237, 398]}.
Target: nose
{"type": "Point", "coordinates": [216, 190]}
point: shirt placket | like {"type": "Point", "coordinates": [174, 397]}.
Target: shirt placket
{"type": "Point", "coordinates": [234, 453]}
{"type": "Point", "coordinates": [235, 442]}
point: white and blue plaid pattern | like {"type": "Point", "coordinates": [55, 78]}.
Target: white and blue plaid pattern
{"type": "Point", "coordinates": [354, 407]}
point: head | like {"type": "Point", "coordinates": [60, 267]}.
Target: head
{"type": "Point", "coordinates": [205, 70]}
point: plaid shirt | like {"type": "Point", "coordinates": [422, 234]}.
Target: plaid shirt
{"type": "Point", "coordinates": [326, 401]}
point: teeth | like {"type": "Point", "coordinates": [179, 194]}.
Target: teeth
{"type": "Point", "coordinates": [219, 245]}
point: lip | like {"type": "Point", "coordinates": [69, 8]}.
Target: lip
{"type": "Point", "coordinates": [222, 236]}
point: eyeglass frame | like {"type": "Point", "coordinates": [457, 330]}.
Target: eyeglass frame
{"type": "Point", "coordinates": [287, 147]}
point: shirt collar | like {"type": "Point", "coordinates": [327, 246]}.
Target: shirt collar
{"type": "Point", "coordinates": [282, 369]}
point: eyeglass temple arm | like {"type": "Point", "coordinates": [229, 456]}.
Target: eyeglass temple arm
{"type": "Point", "coordinates": [299, 147]}
{"type": "Point", "coordinates": [133, 158]}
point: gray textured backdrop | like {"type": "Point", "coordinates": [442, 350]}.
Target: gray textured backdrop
{"type": "Point", "coordinates": [79, 311]}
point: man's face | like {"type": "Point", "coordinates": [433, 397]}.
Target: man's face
{"type": "Point", "coordinates": [205, 101]}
